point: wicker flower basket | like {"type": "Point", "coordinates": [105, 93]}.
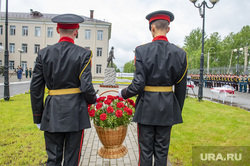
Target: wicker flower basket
{"type": "Point", "coordinates": [112, 140]}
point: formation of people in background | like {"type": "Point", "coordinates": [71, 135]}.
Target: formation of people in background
{"type": "Point", "coordinates": [239, 83]}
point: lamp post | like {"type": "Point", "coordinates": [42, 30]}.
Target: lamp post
{"type": "Point", "coordinates": [21, 51]}
{"type": "Point", "coordinates": [6, 59]}
{"type": "Point", "coordinates": [202, 7]}
{"type": "Point", "coordinates": [238, 55]}
{"type": "Point", "coordinates": [208, 59]}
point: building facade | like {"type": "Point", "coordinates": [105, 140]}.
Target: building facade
{"type": "Point", "coordinates": [30, 32]}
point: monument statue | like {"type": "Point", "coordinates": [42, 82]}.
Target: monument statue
{"type": "Point", "coordinates": [111, 57]}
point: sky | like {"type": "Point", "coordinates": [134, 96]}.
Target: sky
{"type": "Point", "coordinates": [129, 26]}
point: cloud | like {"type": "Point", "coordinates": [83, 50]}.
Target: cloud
{"type": "Point", "coordinates": [129, 26]}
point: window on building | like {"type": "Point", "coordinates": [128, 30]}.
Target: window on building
{"type": "Point", "coordinates": [99, 35]}
{"type": "Point", "coordinates": [25, 48]}
{"type": "Point", "coordinates": [87, 33]}
{"type": "Point", "coordinates": [12, 47]}
{"type": "Point", "coordinates": [12, 30]}
{"type": "Point", "coordinates": [99, 52]}
{"type": "Point", "coordinates": [98, 69]}
{"type": "Point", "coordinates": [1, 63]}
{"type": "Point", "coordinates": [37, 48]}
{"type": "Point", "coordinates": [25, 31]}
{"type": "Point", "coordinates": [50, 32]}
{"type": "Point", "coordinates": [11, 65]}
{"type": "Point", "coordinates": [37, 31]}
{"type": "Point", "coordinates": [24, 64]}
{"type": "Point", "coordinates": [1, 29]}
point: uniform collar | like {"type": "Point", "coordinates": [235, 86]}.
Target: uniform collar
{"type": "Point", "coordinates": [67, 39]}
{"type": "Point", "coordinates": [160, 38]}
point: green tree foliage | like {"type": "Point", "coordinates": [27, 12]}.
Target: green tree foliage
{"type": "Point", "coordinates": [220, 50]}
{"type": "Point", "coordinates": [192, 44]}
{"type": "Point", "coordinates": [129, 67]}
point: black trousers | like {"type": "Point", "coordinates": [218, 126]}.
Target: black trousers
{"type": "Point", "coordinates": [66, 144]}
{"type": "Point", "coordinates": [153, 140]}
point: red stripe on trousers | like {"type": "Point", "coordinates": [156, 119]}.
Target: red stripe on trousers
{"type": "Point", "coordinates": [80, 148]}
{"type": "Point", "coordinates": [139, 145]}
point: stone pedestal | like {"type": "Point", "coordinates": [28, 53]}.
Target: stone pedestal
{"type": "Point", "coordinates": [109, 77]}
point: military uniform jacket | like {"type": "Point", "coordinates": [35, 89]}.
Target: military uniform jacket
{"type": "Point", "coordinates": [61, 66]}
{"type": "Point", "coordinates": [158, 63]}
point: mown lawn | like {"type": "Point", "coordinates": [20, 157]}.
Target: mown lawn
{"type": "Point", "coordinates": [21, 142]}
{"type": "Point", "coordinates": [205, 124]}
{"type": "Point", "coordinates": [208, 124]}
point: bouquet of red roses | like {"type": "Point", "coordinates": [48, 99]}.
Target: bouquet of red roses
{"type": "Point", "coordinates": [112, 111]}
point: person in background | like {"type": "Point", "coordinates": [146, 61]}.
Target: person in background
{"type": "Point", "coordinates": [26, 72]}
{"type": "Point", "coordinates": [245, 82]}
{"type": "Point", "coordinates": [30, 72]}
{"type": "Point", "coordinates": [241, 81]}
{"type": "Point", "coordinates": [19, 73]}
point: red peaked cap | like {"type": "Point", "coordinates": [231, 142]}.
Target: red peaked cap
{"type": "Point", "coordinates": [68, 21]}
{"type": "Point", "coordinates": [160, 15]}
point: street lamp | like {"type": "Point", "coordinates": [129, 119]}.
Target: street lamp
{"type": "Point", "coordinates": [208, 59]}
{"type": "Point", "coordinates": [202, 7]}
{"type": "Point", "coordinates": [238, 55]}
{"type": "Point", "coordinates": [6, 59]}
{"type": "Point", "coordinates": [21, 51]}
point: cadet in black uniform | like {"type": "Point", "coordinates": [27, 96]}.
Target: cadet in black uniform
{"type": "Point", "coordinates": [159, 66]}
{"type": "Point", "coordinates": [66, 71]}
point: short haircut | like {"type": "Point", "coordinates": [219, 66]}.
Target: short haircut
{"type": "Point", "coordinates": [161, 24]}
{"type": "Point", "coordinates": [66, 31]}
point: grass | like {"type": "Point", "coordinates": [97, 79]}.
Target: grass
{"type": "Point", "coordinates": [208, 124]}
{"type": "Point", "coordinates": [21, 142]}
{"type": "Point", "coordinates": [205, 124]}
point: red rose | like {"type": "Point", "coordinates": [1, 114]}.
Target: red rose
{"type": "Point", "coordinates": [118, 113]}
{"type": "Point", "coordinates": [110, 97]}
{"type": "Point", "coordinates": [110, 109]}
{"type": "Point", "coordinates": [129, 111]}
{"type": "Point", "coordinates": [92, 113]}
{"type": "Point", "coordinates": [120, 98]}
{"type": "Point", "coordinates": [120, 105]}
{"type": "Point", "coordinates": [108, 101]}
{"type": "Point", "coordinates": [131, 102]}
{"type": "Point", "coordinates": [100, 99]}
{"type": "Point", "coordinates": [103, 116]}
{"type": "Point", "coordinates": [98, 106]}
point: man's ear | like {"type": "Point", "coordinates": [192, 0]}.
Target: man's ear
{"type": "Point", "coordinates": [76, 32]}
{"type": "Point", "coordinates": [168, 29]}
{"type": "Point", "coordinates": [152, 28]}
{"type": "Point", "coordinates": [57, 29]}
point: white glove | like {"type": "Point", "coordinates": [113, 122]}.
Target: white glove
{"type": "Point", "coordinates": [119, 93]}
{"type": "Point", "coordinates": [38, 125]}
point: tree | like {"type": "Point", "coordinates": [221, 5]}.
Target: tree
{"type": "Point", "coordinates": [192, 45]}
{"type": "Point", "coordinates": [213, 45]}
{"type": "Point", "coordinates": [129, 67]}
